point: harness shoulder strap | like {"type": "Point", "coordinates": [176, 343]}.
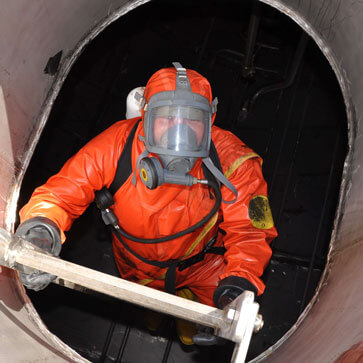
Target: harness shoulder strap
{"type": "Point", "coordinates": [124, 167]}
{"type": "Point", "coordinates": [214, 156]}
{"type": "Point", "coordinates": [216, 161]}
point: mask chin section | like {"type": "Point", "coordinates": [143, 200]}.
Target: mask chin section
{"type": "Point", "coordinates": [177, 164]}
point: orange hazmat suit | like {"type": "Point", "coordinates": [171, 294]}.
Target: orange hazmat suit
{"type": "Point", "coordinates": [245, 228]}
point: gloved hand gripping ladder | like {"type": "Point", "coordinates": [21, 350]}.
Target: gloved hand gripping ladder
{"type": "Point", "coordinates": [236, 322]}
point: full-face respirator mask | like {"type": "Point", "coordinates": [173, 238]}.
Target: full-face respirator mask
{"type": "Point", "coordinates": [177, 126]}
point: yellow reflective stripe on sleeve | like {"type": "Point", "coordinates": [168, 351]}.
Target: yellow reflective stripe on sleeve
{"type": "Point", "coordinates": [237, 163]}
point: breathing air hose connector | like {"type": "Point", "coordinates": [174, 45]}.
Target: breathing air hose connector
{"type": "Point", "coordinates": [104, 200]}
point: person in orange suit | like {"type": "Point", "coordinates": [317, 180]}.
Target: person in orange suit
{"type": "Point", "coordinates": [193, 211]}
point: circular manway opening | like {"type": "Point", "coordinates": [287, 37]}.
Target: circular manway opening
{"type": "Point", "coordinates": [300, 131]}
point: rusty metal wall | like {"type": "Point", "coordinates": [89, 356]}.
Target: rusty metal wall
{"type": "Point", "coordinates": [32, 32]}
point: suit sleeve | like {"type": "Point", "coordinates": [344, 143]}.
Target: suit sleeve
{"type": "Point", "coordinates": [66, 195]}
{"type": "Point", "coordinates": [248, 225]}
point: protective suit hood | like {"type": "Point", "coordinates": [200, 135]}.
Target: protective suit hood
{"type": "Point", "coordinates": [177, 121]}
{"type": "Point", "coordinates": [165, 80]}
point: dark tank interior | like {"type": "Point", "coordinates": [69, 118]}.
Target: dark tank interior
{"type": "Point", "coordinates": [276, 91]}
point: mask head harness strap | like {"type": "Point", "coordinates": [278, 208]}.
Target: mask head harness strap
{"type": "Point", "coordinates": [182, 80]}
{"type": "Point", "coordinates": [182, 83]}
{"type": "Point", "coordinates": [214, 105]}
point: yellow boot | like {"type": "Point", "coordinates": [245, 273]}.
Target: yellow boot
{"type": "Point", "coordinates": [154, 320]}
{"type": "Point", "coordinates": [186, 329]}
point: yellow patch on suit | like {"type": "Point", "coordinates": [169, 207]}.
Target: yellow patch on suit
{"type": "Point", "coordinates": [260, 213]}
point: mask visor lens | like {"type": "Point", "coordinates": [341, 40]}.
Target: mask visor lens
{"type": "Point", "coordinates": [179, 128]}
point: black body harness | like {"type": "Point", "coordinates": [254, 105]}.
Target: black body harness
{"type": "Point", "coordinates": [104, 200]}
